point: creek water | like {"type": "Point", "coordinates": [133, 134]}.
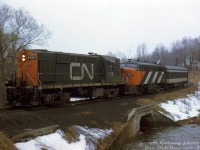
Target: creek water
{"type": "Point", "coordinates": [174, 138]}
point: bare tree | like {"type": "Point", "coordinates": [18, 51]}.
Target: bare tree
{"type": "Point", "coordinates": [141, 52]}
{"type": "Point", "coordinates": [17, 30]}
{"type": "Point", "coordinates": [176, 46]}
{"type": "Point", "coordinates": [181, 53]}
{"type": "Point", "coordinates": [186, 52]}
{"type": "Point", "coordinates": [160, 54]}
{"type": "Point", "coordinates": [110, 53]}
{"type": "Point", "coordinates": [119, 55]}
{"type": "Point", "coordinates": [198, 48]}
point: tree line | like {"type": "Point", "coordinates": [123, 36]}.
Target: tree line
{"type": "Point", "coordinates": [184, 52]}
{"type": "Point", "coordinates": [181, 53]}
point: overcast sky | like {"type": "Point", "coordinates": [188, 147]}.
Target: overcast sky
{"type": "Point", "coordinates": [99, 26]}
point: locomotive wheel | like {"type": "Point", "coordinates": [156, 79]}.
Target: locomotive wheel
{"type": "Point", "coordinates": [158, 89]}
{"type": "Point", "coordinates": [110, 93]}
{"type": "Point", "coordinates": [48, 99]}
{"type": "Point", "coordinates": [66, 97]}
{"type": "Point", "coordinates": [105, 94]}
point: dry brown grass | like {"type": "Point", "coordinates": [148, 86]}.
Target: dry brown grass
{"type": "Point", "coordinates": [5, 143]}
{"type": "Point", "coordinates": [194, 76]}
{"type": "Point", "coordinates": [84, 113]}
{"type": "Point", "coordinates": [71, 134]}
{"type": "Point", "coordinates": [105, 143]}
{"type": "Point", "coordinates": [145, 101]}
{"type": "Point", "coordinates": [194, 120]}
{"type": "Point", "coordinates": [94, 123]}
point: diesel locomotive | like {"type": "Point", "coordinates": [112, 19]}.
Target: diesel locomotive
{"type": "Point", "coordinates": [47, 78]}
{"type": "Point", "coordinates": [143, 77]}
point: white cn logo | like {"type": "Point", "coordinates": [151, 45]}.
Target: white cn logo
{"type": "Point", "coordinates": [83, 68]}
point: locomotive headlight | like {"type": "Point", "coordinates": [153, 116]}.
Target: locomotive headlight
{"type": "Point", "coordinates": [23, 58]}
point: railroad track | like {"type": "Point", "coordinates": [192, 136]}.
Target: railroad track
{"type": "Point", "coordinates": [79, 102]}
{"type": "Point", "coordinates": [82, 102]}
{"type": "Point", "coordinates": [71, 103]}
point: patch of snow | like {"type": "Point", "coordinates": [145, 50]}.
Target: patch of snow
{"type": "Point", "coordinates": [73, 99]}
{"type": "Point", "coordinates": [54, 141]}
{"type": "Point", "coordinates": [96, 133]}
{"type": "Point", "coordinates": [183, 108]}
{"type": "Point", "coordinates": [92, 135]}
{"type": "Point", "coordinates": [57, 140]}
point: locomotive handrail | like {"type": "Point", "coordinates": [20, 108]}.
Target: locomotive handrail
{"type": "Point", "coordinates": [30, 78]}
{"type": "Point", "coordinates": [40, 83]}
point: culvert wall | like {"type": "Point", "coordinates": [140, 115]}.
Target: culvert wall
{"type": "Point", "coordinates": [145, 117]}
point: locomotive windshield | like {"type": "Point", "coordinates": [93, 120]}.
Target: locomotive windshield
{"type": "Point", "coordinates": [131, 65]}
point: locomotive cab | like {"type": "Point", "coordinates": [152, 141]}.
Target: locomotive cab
{"type": "Point", "coordinates": [131, 73]}
{"type": "Point", "coordinates": [132, 76]}
{"type": "Point", "coordinates": [27, 72]}
{"type": "Point", "coordinates": [21, 90]}
{"type": "Point", "coordinates": [142, 77]}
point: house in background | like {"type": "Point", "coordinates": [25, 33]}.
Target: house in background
{"type": "Point", "coordinates": [192, 63]}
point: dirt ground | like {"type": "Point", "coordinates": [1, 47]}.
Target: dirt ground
{"type": "Point", "coordinates": [99, 115]}
{"type": "Point", "coordinates": [106, 114]}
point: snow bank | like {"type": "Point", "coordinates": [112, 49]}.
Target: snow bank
{"type": "Point", "coordinates": [94, 132]}
{"type": "Point", "coordinates": [92, 135]}
{"type": "Point", "coordinates": [57, 140]}
{"type": "Point", "coordinates": [183, 108]}
{"type": "Point", "coordinates": [73, 99]}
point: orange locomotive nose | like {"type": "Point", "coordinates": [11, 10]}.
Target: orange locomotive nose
{"type": "Point", "coordinates": [132, 76]}
{"type": "Point", "coordinates": [27, 67]}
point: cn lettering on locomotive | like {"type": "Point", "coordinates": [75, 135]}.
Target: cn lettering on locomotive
{"type": "Point", "coordinates": [83, 68]}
